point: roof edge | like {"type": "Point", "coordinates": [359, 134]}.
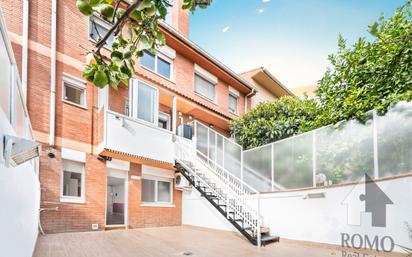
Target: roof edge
{"type": "Point", "coordinates": [201, 51]}
{"type": "Point", "coordinates": [270, 75]}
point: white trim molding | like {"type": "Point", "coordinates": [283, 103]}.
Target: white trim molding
{"type": "Point", "coordinates": [73, 155]}
{"type": "Point", "coordinates": [205, 74]}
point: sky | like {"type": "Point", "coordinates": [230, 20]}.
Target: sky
{"type": "Point", "coordinates": [291, 38]}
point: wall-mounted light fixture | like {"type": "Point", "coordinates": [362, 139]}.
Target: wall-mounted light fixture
{"type": "Point", "coordinates": [18, 150]}
{"type": "Point", "coordinates": [314, 195]}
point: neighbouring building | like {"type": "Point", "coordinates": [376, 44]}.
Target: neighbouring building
{"type": "Point", "coordinates": [305, 90]}
{"type": "Point", "coordinates": [269, 88]}
{"type": "Point", "coordinates": [107, 156]}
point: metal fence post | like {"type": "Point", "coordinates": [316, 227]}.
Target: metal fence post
{"type": "Point", "coordinates": [375, 145]}
{"type": "Point", "coordinates": [272, 166]}
{"type": "Point", "coordinates": [259, 235]}
{"type": "Point", "coordinates": [314, 157]}
{"type": "Point", "coordinates": [241, 169]}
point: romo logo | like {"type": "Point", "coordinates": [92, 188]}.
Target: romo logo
{"type": "Point", "coordinates": [367, 197]}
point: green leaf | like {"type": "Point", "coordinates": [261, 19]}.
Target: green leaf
{"type": "Point", "coordinates": [136, 15]}
{"type": "Point", "coordinates": [95, 3]}
{"type": "Point", "coordinates": [145, 5]}
{"type": "Point", "coordinates": [100, 78]}
{"type": "Point", "coordinates": [145, 43]}
{"type": "Point", "coordinates": [151, 11]}
{"type": "Point", "coordinates": [107, 10]}
{"type": "Point", "coordinates": [127, 55]}
{"type": "Point", "coordinates": [84, 7]}
{"type": "Point", "coordinates": [373, 29]}
{"type": "Point", "coordinates": [116, 56]}
{"type": "Point", "coordinates": [88, 73]}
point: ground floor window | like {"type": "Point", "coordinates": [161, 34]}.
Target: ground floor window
{"type": "Point", "coordinates": [157, 190]}
{"type": "Point", "coordinates": [72, 181]}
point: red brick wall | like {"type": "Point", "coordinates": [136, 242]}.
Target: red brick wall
{"type": "Point", "coordinates": [70, 216]}
{"type": "Point", "coordinates": [140, 216]}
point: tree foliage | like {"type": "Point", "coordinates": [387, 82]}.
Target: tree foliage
{"type": "Point", "coordinates": [369, 75]}
{"type": "Point", "coordinates": [135, 27]}
{"type": "Point", "coordinates": [271, 121]}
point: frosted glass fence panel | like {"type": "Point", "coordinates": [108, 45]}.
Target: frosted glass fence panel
{"type": "Point", "coordinates": [212, 147]}
{"type": "Point", "coordinates": [232, 157]}
{"type": "Point", "coordinates": [293, 162]}
{"type": "Point", "coordinates": [201, 139]}
{"type": "Point", "coordinates": [395, 140]}
{"type": "Point", "coordinates": [219, 150]}
{"type": "Point", "coordinates": [257, 168]}
{"type": "Point", "coordinates": [344, 152]}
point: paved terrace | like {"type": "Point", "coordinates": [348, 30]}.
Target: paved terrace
{"type": "Point", "coordinates": [173, 241]}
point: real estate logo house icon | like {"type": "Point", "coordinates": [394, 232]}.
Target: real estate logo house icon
{"type": "Point", "coordinates": [367, 197]}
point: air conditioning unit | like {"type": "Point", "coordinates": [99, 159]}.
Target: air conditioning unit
{"type": "Point", "coordinates": [181, 183]}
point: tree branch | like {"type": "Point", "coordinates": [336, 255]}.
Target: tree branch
{"type": "Point", "coordinates": [119, 21]}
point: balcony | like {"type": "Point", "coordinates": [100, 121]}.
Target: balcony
{"type": "Point", "coordinates": [137, 139]}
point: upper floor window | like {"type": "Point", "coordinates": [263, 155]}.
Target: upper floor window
{"type": "Point", "coordinates": [157, 63]}
{"type": "Point", "coordinates": [204, 87]}
{"type": "Point", "coordinates": [145, 102]}
{"type": "Point", "coordinates": [98, 28]}
{"type": "Point", "coordinates": [233, 102]}
{"type": "Point", "coordinates": [74, 91]}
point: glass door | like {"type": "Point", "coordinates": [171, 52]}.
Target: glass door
{"type": "Point", "coordinates": [145, 102]}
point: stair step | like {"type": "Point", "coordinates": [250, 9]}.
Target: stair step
{"type": "Point", "coordinates": [269, 239]}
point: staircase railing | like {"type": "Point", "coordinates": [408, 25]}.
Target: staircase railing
{"type": "Point", "coordinates": [238, 193]}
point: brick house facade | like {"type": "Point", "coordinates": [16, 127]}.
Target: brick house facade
{"type": "Point", "coordinates": [81, 137]}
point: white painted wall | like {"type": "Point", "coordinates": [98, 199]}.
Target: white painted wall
{"type": "Point", "coordinates": [19, 186]}
{"type": "Point", "coordinates": [20, 201]}
{"type": "Point", "coordinates": [135, 137]}
{"type": "Point", "coordinates": [322, 220]}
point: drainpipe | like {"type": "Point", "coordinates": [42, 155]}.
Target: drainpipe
{"type": "Point", "coordinates": [246, 96]}
{"type": "Point", "coordinates": [25, 43]}
{"type": "Point", "coordinates": [53, 72]}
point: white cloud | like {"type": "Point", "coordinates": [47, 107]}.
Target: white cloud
{"type": "Point", "coordinates": [261, 10]}
{"type": "Point", "coordinates": [225, 29]}
{"type": "Point", "coordinates": [266, 1]}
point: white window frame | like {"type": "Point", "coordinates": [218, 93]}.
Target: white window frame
{"type": "Point", "coordinates": [73, 199]}
{"type": "Point", "coordinates": [156, 203]}
{"type": "Point", "coordinates": [214, 100]}
{"type": "Point", "coordinates": [77, 84]}
{"type": "Point", "coordinates": [167, 59]}
{"type": "Point", "coordinates": [134, 102]}
{"type": "Point", "coordinates": [166, 117]}
{"type": "Point", "coordinates": [237, 103]}
{"type": "Point", "coordinates": [102, 23]}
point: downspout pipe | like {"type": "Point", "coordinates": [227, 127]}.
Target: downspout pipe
{"type": "Point", "coordinates": [25, 45]}
{"type": "Point", "coordinates": [53, 73]}
{"type": "Point", "coordinates": [246, 96]}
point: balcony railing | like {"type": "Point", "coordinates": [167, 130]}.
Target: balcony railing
{"type": "Point", "coordinates": [137, 138]}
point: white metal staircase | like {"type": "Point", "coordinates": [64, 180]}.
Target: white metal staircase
{"type": "Point", "coordinates": [233, 198]}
